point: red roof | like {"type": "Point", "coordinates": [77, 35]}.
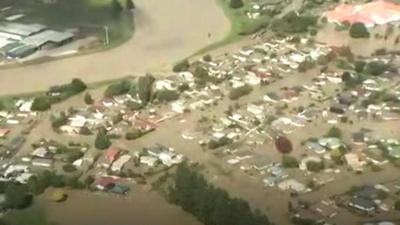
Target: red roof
{"type": "Point", "coordinates": [105, 181]}
{"type": "Point", "coordinates": [4, 132]}
{"type": "Point", "coordinates": [111, 154]}
{"type": "Point", "coordinates": [377, 12]}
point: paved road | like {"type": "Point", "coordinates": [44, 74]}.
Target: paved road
{"type": "Point", "coordinates": [166, 31]}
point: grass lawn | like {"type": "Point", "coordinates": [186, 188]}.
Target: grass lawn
{"type": "Point", "coordinates": [90, 16]}
{"type": "Point", "coordinates": [34, 215]}
{"type": "Point", "coordinates": [241, 25]}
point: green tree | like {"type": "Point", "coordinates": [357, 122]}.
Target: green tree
{"type": "Point", "coordinates": [397, 205]}
{"type": "Point", "coordinates": [236, 4]}
{"type": "Point", "coordinates": [102, 141]}
{"type": "Point", "coordinates": [17, 196]}
{"type": "Point", "coordinates": [289, 162]}
{"type": "Point", "coordinates": [41, 103]}
{"type": "Point", "coordinates": [358, 30]}
{"type": "Point", "coordinates": [88, 99]}
{"type": "Point", "coordinates": [116, 8]}
{"type": "Point", "coordinates": [334, 132]}
{"type": "Point", "coordinates": [118, 88]}
{"type": "Point", "coordinates": [181, 66]}
{"type": "Point", "coordinates": [130, 5]}
{"type": "Point", "coordinates": [145, 84]}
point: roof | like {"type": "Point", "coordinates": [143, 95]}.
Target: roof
{"type": "Point", "coordinates": [111, 154]}
{"type": "Point", "coordinates": [106, 181]}
{"type": "Point", "coordinates": [377, 12]}
{"type": "Point", "coordinates": [21, 29]}
{"type": "Point", "coordinates": [47, 36]}
{"type": "Point", "coordinates": [363, 202]}
{"type": "Point", "coordinates": [4, 132]}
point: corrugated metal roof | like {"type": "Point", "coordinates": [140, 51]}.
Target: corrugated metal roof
{"type": "Point", "coordinates": [47, 36]}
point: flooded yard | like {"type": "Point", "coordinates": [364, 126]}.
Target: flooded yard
{"type": "Point", "coordinates": [141, 206]}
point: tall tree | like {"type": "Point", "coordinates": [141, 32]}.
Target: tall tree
{"type": "Point", "coordinates": [130, 5]}
{"type": "Point", "coordinates": [145, 84]}
{"type": "Point", "coordinates": [116, 8]}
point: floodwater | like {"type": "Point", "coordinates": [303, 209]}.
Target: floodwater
{"type": "Point", "coordinates": [362, 47]}
{"type": "Point", "coordinates": [140, 207]}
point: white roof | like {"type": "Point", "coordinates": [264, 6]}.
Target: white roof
{"type": "Point", "coordinates": [47, 36]}
{"type": "Point", "coordinates": [117, 165]}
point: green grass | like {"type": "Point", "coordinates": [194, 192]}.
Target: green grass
{"type": "Point", "coordinates": [34, 215]}
{"type": "Point", "coordinates": [241, 25]}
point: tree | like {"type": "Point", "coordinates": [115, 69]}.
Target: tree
{"type": "Point", "coordinates": [77, 85]}
{"type": "Point", "coordinates": [237, 93]}
{"type": "Point", "coordinates": [236, 4]}
{"type": "Point", "coordinates": [59, 120]}
{"type": "Point", "coordinates": [145, 84]}
{"type": "Point", "coordinates": [118, 88]}
{"type": "Point", "coordinates": [69, 168]}
{"type": "Point", "coordinates": [41, 103]}
{"type": "Point", "coordinates": [17, 196]}
{"type": "Point", "coordinates": [289, 162]}
{"type": "Point", "coordinates": [358, 30]}
{"type": "Point", "coordinates": [88, 99]}
{"type": "Point", "coordinates": [102, 141]}
{"type": "Point", "coordinates": [314, 166]}
{"type": "Point", "coordinates": [181, 66]}
{"type": "Point", "coordinates": [283, 144]}
{"type": "Point", "coordinates": [130, 5]}
{"type": "Point", "coordinates": [116, 8]}
{"type": "Point", "coordinates": [397, 205]}
{"type": "Point", "coordinates": [334, 132]}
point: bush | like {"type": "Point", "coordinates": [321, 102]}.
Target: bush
{"type": "Point", "coordinates": [181, 66]}
{"type": "Point", "coordinates": [145, 84]}
{"type": "Point", "coordinates": [59, 120]}
{"type": "Point", "coordinates": [69, 168]}
{"type": "Point", "coordinates": [102, 141]}
{"type": "Point", "coordinates": [130, 5]}
{"type": "Point", "coordinates": [239, 92]}
{"type": "Point", "coordinates": [41, 104]}
{"type": "Point", "coordinates": [167, 95]}
{"type": "Point", "coordinates": [358, 30]}
{"type": "Point", "coordinates": [119, 88]}
{"type": "Point", "coordinates": [289, 162]}
{"type": "Point", "coordinates": [397, 205]}
{"type": "Point", "coordinates": [207, 58]}
{"type": "Point", "coordinates": [88, 99]}
{"type": "Point", "coordinates": [293, 22]}
{"type": "Point", "coordinates": [236, 4]}
{"type": "Point", "coordinates": [134, 105]}
{"type": "Point", "coordinates": [334, 132]}
{"type": "Point", "coordinates": [376, 68]}
{"type": "Point", "coordinates": [315, 166]}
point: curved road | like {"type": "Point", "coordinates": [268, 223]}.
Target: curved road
{"type": "Point", "coordinates": [166, 31]}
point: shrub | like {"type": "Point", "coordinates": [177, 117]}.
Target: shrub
{"type": "Point", "coordinates": [102, 141]}
{"type": "Point", "coordinates": [358, 30]}
{"type": "Point", "coordinates": [167, 95]}
{"type": "Point", "coordinates": [236, 93]}
{"type": "Point", "coordinates": [293, 22]}
{"type": "Point", "coordinates": [119, 88]}
{"type": "Point", "coordinates": [376, 68]}
{"type": "Point", "coordinates": [88, 99]}
{"type": "Point", "coordinates": [130, 5]}
{"type": "Point", "coordinates": [315, 166]}
{"type": "Point", "coordinates": [289, 162]}
{"type": "Point", "coordinates": [207, 58]}
{"type": "Point", "coordinates": [133, 134]}
{"type": "Point", "coordinates": [69, 168]}
{"type": "Point", "coordinates": [334, 132]}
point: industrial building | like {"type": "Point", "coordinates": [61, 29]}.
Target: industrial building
{"type": "Point", "coordinates": [20, 40]}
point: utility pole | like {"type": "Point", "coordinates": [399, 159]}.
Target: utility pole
{"type": "Point", "coordinates": [107, 40]}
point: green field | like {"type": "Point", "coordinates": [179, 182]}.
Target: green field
{"type": "Point", "coordinates": [241, 25]}
{"type": "Point", "coordinates": [89, 16]}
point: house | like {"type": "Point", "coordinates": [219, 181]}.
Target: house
{"type": "Point", "coordinates": [338, 108]}
{"type": "Point", "coordinates": [40, 152]}
{"type": "Point", "coordinates": [314, 146]}
{"type": "Point", "coordinates": [394, 151]}
{"type": "Point", "coordinates": [111, 155]}
{"type": "Point", "coordinates": [292, 184]}
{"type": "Point", "coordinates": [4, 132]}
{"type": "Point", "coordinates": [119, 163]}
{"type": "Point", "coordinates": [42, 162]}
{"type": "Point", "coordinates": [354, 161]}
{"type": "Point", "coordinates": [363, 204]}
{"type": "Point", "coordinates": [262, 163]}
{"type": "Point", "coordinates": [271, 181]}
{"type": "Point", "coordinates": [375, 156]}
{"type": "Point", "coordinates": [330, 143]}
{"type": "Point", "coordinates": [150, 161]}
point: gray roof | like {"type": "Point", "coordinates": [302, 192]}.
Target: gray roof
{"type": "Point", "coordinates": [21, 29]}
{"type": "Point", "coordinates": [47, 36]}
{"type": "Point", "coordinates": [362, 202]}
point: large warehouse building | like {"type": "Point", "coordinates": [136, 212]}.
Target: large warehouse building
{"type": "Point", "coordinates": [20, 40]}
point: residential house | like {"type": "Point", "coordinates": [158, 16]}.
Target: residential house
{"type": "Point", "coordinates": [363, 204]}
{"type": "Point", "coordinates": [42, 162]}
{"type": "Point", "coordinates": [4, 132]}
